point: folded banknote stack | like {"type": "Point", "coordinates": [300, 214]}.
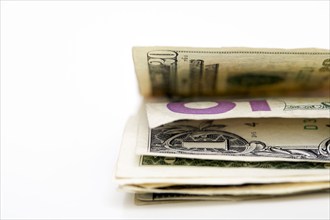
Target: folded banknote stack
{"type": "Point", "coordinates": [227, 124]}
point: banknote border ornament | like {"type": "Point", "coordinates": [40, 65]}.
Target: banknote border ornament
{"type": "Point", "coordinates": [321, 106]}
{"type": "Point", "coordinates": [324, 147]}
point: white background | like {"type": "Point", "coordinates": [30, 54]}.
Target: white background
{"type": "Point", "coordinates": [68, 86]}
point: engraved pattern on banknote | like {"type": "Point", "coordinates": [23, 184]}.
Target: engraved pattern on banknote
{"type": "Point", "coordinates": [250, 80]}
{"type": "Point", "coordinates": [321, 106]}
{"type": "Point", "coordinates": [254, 52]}
{"type": "Point", "coordinates": [210, 139]}
{"type": "Point", "coordinates": [325, 66]}
{"type": "Point", "coordinates": [162, 71]}
{"type": "Point", "coordinates": [175, 161]}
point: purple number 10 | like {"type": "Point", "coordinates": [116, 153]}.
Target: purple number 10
{"type": "Point", "coordinates": [221, 107]}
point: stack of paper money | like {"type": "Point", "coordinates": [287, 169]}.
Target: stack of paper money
{"type": "Point", "coordinates": [194, 139]}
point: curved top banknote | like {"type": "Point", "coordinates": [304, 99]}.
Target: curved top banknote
{"type": "Point", "coordinates": [291, 129]}
{"type": "Point", "coordinates": [181, 71]}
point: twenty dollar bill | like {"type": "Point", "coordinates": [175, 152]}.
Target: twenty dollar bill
{"type": "Point", "coordinates": [181, 71]}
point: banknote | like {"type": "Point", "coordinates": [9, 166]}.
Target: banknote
{"type": "Point", "coordinates": [246, 139]}
{"type": "Point", "coordinates": [190, 162]}
{"type": "Point", "coordinates": [181, 71]}
{"type": "Point", "coordinates": [237, 190]}
{"type": "Point", "coordinates": [163, 198]}
{"type": "Point", "coordinates": [248, 130]}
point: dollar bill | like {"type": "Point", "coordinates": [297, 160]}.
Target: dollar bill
{"type": "Point", "coordinates": [257, 139]}
{"type": "Point", "coordinates": [181, 71]}
{"type": "Point", "coordinates": [248, 130]}
{"type": "Point", "coordinates": [182, 162]}
{"type": "Point", "coordinates": [161, 198]}
{"type": "Point", "coordinates": [237, 190]}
